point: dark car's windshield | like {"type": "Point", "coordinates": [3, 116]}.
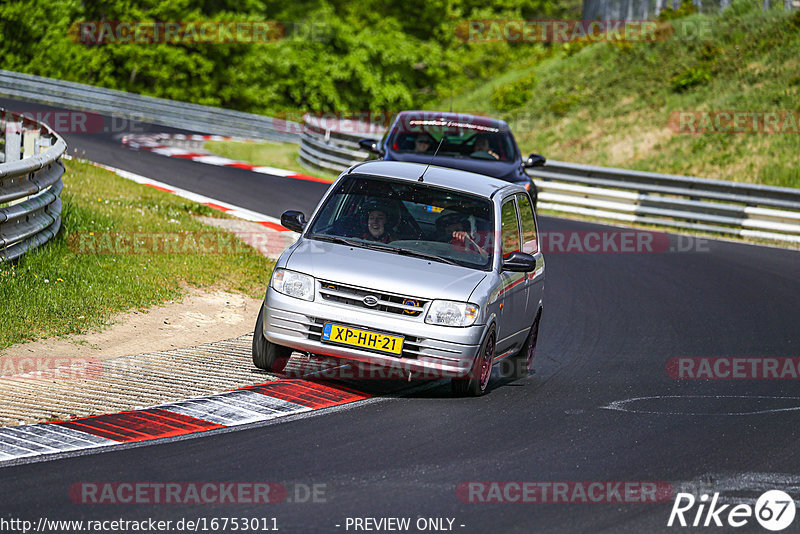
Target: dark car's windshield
{"type": "Point", "coordinates": [461, 139]}
{"type": "Point", "coordinates": [408, 218]}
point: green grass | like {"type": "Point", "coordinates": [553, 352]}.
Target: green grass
{"type": "Point", "coordinates": [279, 155]}
{"type": "Point", "coordinates": [57, 289]}
{"type": "Point", "coordinates": [610, 103]}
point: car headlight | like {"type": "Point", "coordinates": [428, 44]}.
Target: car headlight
{"type": "Point", "coordinates": [294, 284]}
{"type": "Point", "coordinates": [452, 313]}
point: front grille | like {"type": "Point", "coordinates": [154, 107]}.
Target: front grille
{"type": "Point", "coordinates": [413, 347]}
{"type": "Point", "coordinates": [385, 302]}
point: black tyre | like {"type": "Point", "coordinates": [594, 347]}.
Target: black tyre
{"type": "Point", "coordinates": [476, 382]}
{"type": "Point", "coordinates": [266, 355]}
{"type": "Point", "coordinates": [518, 365]}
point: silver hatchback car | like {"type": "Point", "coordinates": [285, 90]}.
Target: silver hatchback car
{"type": "Point", "coordinates": [433, 271]}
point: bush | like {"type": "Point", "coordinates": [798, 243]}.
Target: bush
{"type": "Point", "coordinates": [513, 95]}
{"type": "Point", "coordinates": [691, 77]}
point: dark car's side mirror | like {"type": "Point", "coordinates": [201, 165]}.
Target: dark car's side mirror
{"type": "Point", "coordinates": [534, 160]}
{"type": "Point", "coordinates": [293, 220]}
{"type": "Point", "coordinates": [371, 146]}
{"type": "Point", "coordinates": [519, 262]}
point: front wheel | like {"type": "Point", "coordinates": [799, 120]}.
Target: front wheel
{"type": "Point", "coordinates": [476, 382]}
{"type": "Point", "coordinates": [267, 355]}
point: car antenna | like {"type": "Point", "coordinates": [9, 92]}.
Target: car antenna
{"type": "Point", "coordinates": [421, 176]}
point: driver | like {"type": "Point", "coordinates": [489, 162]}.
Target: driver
{"type": "Point", "coordinates": [451, 227]}
{"type": "Point", "coordinates": [482, 148]}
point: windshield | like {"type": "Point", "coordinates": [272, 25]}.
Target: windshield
{"type": "Point", "coordinates": [408, 218]}
{"type": "Point", "coordinates": [461, 139]}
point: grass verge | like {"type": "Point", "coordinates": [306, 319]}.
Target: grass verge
{"type": "Point", "coordinates": [65, 288]}
{"type": "Point", "coordinates": [279, 155]}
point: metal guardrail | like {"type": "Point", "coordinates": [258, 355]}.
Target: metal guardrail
{"type": "Point", "coordinates": [686, 202]}
{"type": "Point", "coordinates": [674, 201]}
{"type": "Point", "coordinates": [146, 108]}
{"type": "Point", "coordinates": [324, 144]}
{"type": "Point", "coordinates": [717, 206]}
{"type": "Point", "coordinates": [30, 184]}
{"type": "Point", "coordinates": [644, 9]}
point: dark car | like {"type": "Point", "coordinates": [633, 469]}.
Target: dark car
{"type": "Point", "coordinates": [468, 142]}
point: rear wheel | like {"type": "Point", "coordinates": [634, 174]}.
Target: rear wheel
{"type": "Point", "coordinates": [522, 361]}
{"type": "Point", "coordinates": [476, 382]}
{"type": "Point", "coordinates": [267, 355]}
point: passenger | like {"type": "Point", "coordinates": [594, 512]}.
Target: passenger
{"type": "Point", "coordinates": [377, 219]}
{"type": "Point", "coordinates": [423, 143]}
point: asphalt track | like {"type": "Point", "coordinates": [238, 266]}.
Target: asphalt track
{"type": "Point", "coordinates": [611, 324]}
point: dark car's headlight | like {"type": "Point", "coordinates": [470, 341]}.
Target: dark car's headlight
{"type": "Point", "coordinates": [293, 284]}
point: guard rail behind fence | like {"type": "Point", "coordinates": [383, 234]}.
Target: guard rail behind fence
{"type": "Point", "coordinates": [685, 202]}
{"type": "Point", "coordinates": [30, 184]}
{"type": "Point", "coordinates": [148, 109]}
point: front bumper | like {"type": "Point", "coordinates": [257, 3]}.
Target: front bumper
{"type": "Point", "coordinates": [429, 351]}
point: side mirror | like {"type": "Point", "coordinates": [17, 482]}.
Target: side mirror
{"type": "Point", "coordinates": [293, 220]}
{"type": "Point", "coordinates": [519, 262]}
{"type": "Point", "coordinates": [534, 160]}
{"type": "Point", "coordinates": [371, 146]}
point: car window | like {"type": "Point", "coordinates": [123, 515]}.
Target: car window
{"type": "Point", "coordinates": [510, 228]}
{"type": "Point", "coordinates": [530, 244]}
{"type": "Point", "coordinates": [377, 212]}
{"type": "Point", "coordinates": [464, 140]}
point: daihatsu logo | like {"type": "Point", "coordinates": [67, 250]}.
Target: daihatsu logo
{"type": "Point", "coordinates": [370, 301]}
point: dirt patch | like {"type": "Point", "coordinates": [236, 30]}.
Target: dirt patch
{"type": "Point", "coordinates": [202, 316]}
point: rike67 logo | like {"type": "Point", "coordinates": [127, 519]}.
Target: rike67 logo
{"type": "Point", "coordinates": [774, 510]}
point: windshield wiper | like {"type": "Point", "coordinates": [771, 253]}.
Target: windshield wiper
{"type": "Point", "coordinates": [337, 239]}
{"type": "Point", "coordinates": [426, 255]}
{"type": "Point", "coordinates": [380, 246]}
{"type": "Point", "coordinates": [408, 252]}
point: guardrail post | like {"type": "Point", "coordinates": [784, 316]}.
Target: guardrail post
{"type": "Point", "coordinates": [13, 141]}
{"type": "Point", "coordinates": [29, 138]}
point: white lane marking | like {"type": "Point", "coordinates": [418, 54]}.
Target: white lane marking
{"type": "Point", "coordinates": [273, 170]}
{"type": "Point", "coordinates": [44, 435]}
{"type": "Point", "coordinates": [621, 405]}
{"type": "Point", "coordinates": [260, 403]}
{"type": "Point", "coordinates": [214, 160]}
{"type": "Point", "coordinates": [236, 407]}
{"type": "Point", "coordinates": [171, 151]}
{"type": "Point", "coordinates": [24, 441]}
{"type": "Point", "coordinates": [82, 439]}
{"type": "Point", "coordinates": [215, 411]}
{"type": "Point", "coordinates": [230, 209]}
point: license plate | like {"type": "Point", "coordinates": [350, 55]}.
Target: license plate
{"type": "Point", "coordinates": [355, 337]}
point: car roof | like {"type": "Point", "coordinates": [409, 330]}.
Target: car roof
{"type": "Point", "coordinates": [466, 118]}
{"type": "Point", "coordinates": [468, 182]}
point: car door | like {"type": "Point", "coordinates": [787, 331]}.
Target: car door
{"type": "Point", "coordinates": [512, 285]}
{"type": "Point", "coordinates": [534, 284]}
